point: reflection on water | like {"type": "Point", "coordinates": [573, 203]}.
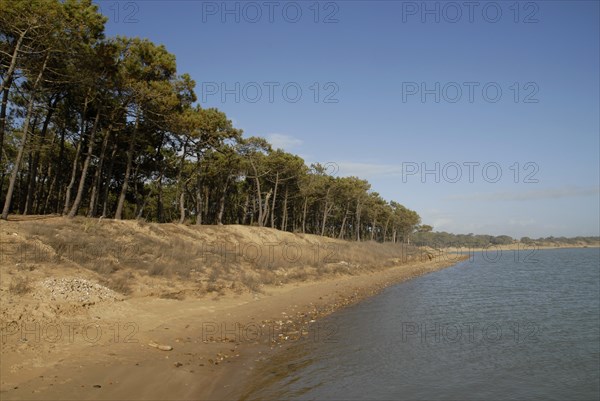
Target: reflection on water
{"type": "Point", "coordinates": [482, 329]}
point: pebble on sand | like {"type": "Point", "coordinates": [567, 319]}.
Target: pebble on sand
{"type": "Point", "coordinates": [162, 347]}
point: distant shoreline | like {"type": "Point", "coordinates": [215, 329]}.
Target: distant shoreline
{"type": "Point", "coordinates": [517, 247]}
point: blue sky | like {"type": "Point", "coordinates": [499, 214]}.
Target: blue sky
{"type": "Point", "coordinates": [387, 91]}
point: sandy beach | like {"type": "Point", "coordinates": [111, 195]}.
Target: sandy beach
{"type": "Point", "coordinates": [150, 347]}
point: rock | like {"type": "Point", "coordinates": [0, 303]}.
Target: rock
{"type": "Point", "coordinates": [177, 364]}
{"type": "Point", "coordinates": [162, 347]}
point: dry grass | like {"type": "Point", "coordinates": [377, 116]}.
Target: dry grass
{"type": "Point", "coordinates": [121, 283]}
{"type": "Point", "coordinates": [20, 286]}
{"type": "Point", "coordinates": [252, 281]}
{"type": "Point", "coordinates": [212, 259]}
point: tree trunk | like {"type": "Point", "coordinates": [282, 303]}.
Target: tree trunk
{"type": "Point", "coordinates": [326, 211]}
{"type": "Point", "coordinates": [266, 208]}
{"type": "Point", "coordinates": [161, 173]}
{"type": "Point", "coordinates": [387, 222]}
{"type": "Point", "coordinates": [199, 204]}
{"type": "Point", "coordinates": [60, 162]}
{"type": "Point", "coordinates": [108, 178]}
{"type": "Point", "coordinates": [86, 165]}
{"type": "Point", "coordinates": [57, 176]}
{"type": "Point", "coordinates": [6, 85]}
{"type": "Point", "coordinates": [3, 108]}
{"type": "Point", "coordinates": [17, 165]}
{"type": "Point", "coordinates": [32, 141]}
{"type": "Point", "coordinates": [285, 211]}
{"type": "Point", "coordinates": [358, 208]}
{"type": "Point", "coordinates": [205, 204]}
{"type": "Point", "coordinates": [95, 195]}
{"type": "Point", "coordinates": [123, 194]}
{"type": "Point", "coordinates": [36, 157]}
{"type": "Point", "coordinates": [159, 200]}
{"type": "Point", "coordinates": [141, 210]}
{"type": "Point", "coordinates": [324, 219]}
{"type": "Point", "coordinates": [13, 63]}
{"type": "Point", "coordinates": [274, 199]}
{"type": "Point", "coordinates": [182, 207]}
{"type": "Point", "coordinates": [72, 180]}
{"type": "Point", "coordinates": [76, 160]}
{"type": "Point", "coordinates": [253, 210]}
{"type": "Point", "coordinates": [304, 211]}
{"type": "Point", "coordinates": [181, 185]}
{"type": "Point", "coordinates": [2, 184]}
{"type": "Point", "coordinates": [258, 194]}
{"type": "Point", "coordinates": [373, 225]}
{"type": "Point", "coordinates": [50, 190]}
{"type": "Point", "coordinates": [245, 209]}
{"type": "Point", "coordinates": [25, 184]}
{"type": "Point", "coordinates": [40, 204]}
{"type": "Point", "coordinates": [222, 203]}
{"type": "Point", "coordinates": [341, 236]}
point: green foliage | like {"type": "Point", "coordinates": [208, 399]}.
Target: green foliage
{"type": "Point", "coordinates": [444, 239]}
{"type": "Point", "coordinates": [108, 126]}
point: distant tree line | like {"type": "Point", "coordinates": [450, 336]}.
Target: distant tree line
{"type": "Point", "coordinates": [562, 240]}
{"type": "Point", "coordinates": [99, 126]}
{"type": "Point", "coordinates": [443, 240]}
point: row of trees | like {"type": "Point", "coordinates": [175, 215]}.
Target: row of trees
{"type": "Point", "coordinates": [562, 240]}
{"type": "Point", "coordinates": [444, 239]}
{"type": "Point", "coordinates": [101, 126]}
{"type": "Point", "coordinates": [424, 236]}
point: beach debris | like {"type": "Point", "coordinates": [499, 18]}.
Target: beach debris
{"type": "Point", "coordinates": [162, 347]}
{"type": "Point", "coordinates": [178, 364]}
{"type": "Point", "coordinates": [75, 289]}
{"type": "Point", "coordinates": [97, 386]}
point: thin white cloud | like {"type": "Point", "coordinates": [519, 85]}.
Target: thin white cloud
{"type": "Point", "coordinates": [283, 141]}
{"type": "Point", "coordinates": [551, 193]}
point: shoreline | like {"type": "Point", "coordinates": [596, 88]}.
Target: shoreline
{"type": "Point", "coordinates": [216, 343]}
{"type": "Point", "coordinates": [523, 247]}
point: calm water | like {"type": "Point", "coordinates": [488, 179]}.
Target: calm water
{"type": "Point", "coordinates": [480, 330]}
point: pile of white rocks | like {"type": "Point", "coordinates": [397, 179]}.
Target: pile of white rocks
{"type": "Point", "coordinates": [77, 290]}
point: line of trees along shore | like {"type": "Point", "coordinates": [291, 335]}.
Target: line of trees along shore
{"type": "Point", "coordinates": [99, 126]}
{"type": "Point", "coordinates": [444, 239]}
